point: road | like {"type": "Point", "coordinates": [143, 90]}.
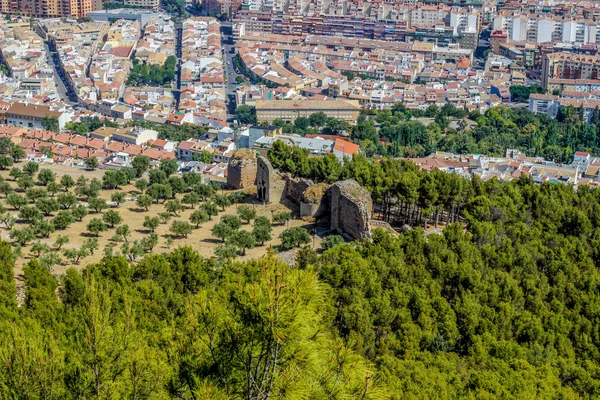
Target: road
{"type": "Point", "coordinates": [228, 59]}
{"type": "Point", "coordinates": [61, 87]}
{"type": "Point", "coordinates": [178, 52]}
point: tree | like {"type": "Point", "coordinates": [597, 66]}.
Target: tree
{"type": "Point", "coordinates": [31, 168]}
{"type": "Point", "coordinates": [47, 205]}
{"type": "Point", "coordinates": [151, 223]}
{"type": "Point", "coordinates": [17, 153]}
{"type": "Point", "coordinates": [25, 182]}
{"type": "Point", "coordinates": [159, 191]}
{"type": "Point", "coordinates": [63, 219]}
{"type": "Point", "coordinates": [96, 226]}
{"type": "Point", "coordinates": [262, 233]}
{"type": "Point", "coordinates": [61, 240]}
{"type": "Point", "coordinates": [140, 164]}
{"type": "Point", "coordinates": [282, 217]}
{"type": "Point", "coordinates": [34, 194]}
{"type": "Point", "coordinates": [211, 209]}
{"type": "Point", "coordinates": [5, 162]}
{"type": "Point", "coordinates": [149, 242]}
{"type": "Point", "coordinates": [199, 217]}
{"type": "Point", "coordinates": [29, 214]}
{"type": "Point", "coordinates": [5, 188]}
{"type": "Point", "coordinates": [222, 231]}
{"type": "Point", "coordinates": [301, 124]}
{"type": "Point", "coordinates": [191, 199]}
{"type": "Point", "coordinates": [222, 201]}
{"type": "Point", "coordinates": [317, 119]}
{"type": "Point", "coordinates": [169, 166]}
{"type": "Point", "coordinates": [67, 182]}
{"type": "Point", "coordinates": [144, 201]}
{"type": "Point", "coordinates": [97, 204]}
{"type": "Point", "coordinates": [204, 191]}
{"type": "Point", "coordinates": [43, 228]}
{"type": "Point", "coordinates": [226, 251]}
{"type": "Point", "coordinates": [331, 241]}
{"type": "Point", "coordinates": [79, 211]}
{"type": "Point", "coordinates": [294, 237]}
{"type": "Point", "coordinates": [8, 290]}
{"type": "Point", "coordinates": [112, 218]}
{"type": "Point", "coordinates": [16, 201]}
{"type": "Point", "coordinates": [91, 244]}
{"type": "Point", "coordinates": [15, 173]}
{"type": "Point", "coordinates": [53, 188]}
{"type": "Point", "coordinates": [141, 185]}
{"type": "Point", "coordinates": [50, 123]}
{"type": "Point", "coordinates": [519, 93]}
{"type": "Point", "coordinates": [21, 236]}
{"type": "Point", "coordinates": [132, 250]}
{"type": "Point", "coordinates": [48, 261]}
{"type": "Point", "coordinates": [118, 198]}
{"type": "Point", "coordinates": [245, 114]}
{"type": "Point", "coordinates": [45, 176]}
{"type": "Point", "coordinates": [243, 240]}
{"type": "Point", "coordinates": [164, 217]}
{"type": "Point", "coordinates": [246, 213]}
{"type": "Point", "coordinates": [181, 228]}
{"type": "Point", "coordinates": [232, 221]}
{"type": "Point", "coordinates": [173, 206]}
{"type": "Point", "coordinates": [38, 248]}
{"type": "Point", "coordinates": [91, 163]}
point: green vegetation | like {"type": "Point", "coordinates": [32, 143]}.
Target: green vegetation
{"type": "Point", "coordinates": [88, 124]}
{"type": "Point", "coordinates": [177, 133]}
{"type": "Point", "coordinates": [521, 93]}
{"type": "Point", "coordinates": [246, 114]}
{"type": "Point", "coordinates": [152, 75]}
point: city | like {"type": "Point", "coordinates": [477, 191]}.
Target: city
{"type": "Point", "coordinates": [316, 199]}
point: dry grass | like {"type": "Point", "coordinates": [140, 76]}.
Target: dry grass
{"type": "Point", "coordinates": [200, 239]}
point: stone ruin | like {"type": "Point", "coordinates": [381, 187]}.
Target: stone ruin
{"type": "Point", "coordinates": [241, 170]}
{"type": "Point", "coordinates": [351, 208]}
{"type": "Point", "coordinates": [269, 185]}
{"type": "Point", "coordinates": [346, 202]}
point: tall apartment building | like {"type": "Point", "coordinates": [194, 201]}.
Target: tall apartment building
{"type": "Point", "coordinates": [50, 8]}
{"type": "Point", "coordinates": [545, 28]}
{"type": "Point", "coordinates": [569, 66]}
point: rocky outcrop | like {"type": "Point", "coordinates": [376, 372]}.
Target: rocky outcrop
{"type": "Point", "coordinates": [241, 170]}
{"type": "Point", "coordinates": [351, 208]}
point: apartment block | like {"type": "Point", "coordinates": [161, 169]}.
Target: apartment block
{"type": "Point", "coordinates": [50, 8]}
{"type": "Point", "coordinates": [568, 66]}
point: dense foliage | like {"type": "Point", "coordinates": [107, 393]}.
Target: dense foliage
{"type": "Point", "coordinates": [504, 306]}
{"type": "Point", "coordinates": [153, 75]}
{"type": "Point", "coordinates": [177, 133]}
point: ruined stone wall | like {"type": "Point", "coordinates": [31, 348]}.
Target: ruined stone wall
{"type": "Point", "coordinates": [264, 179]}
{"type": "Point", "coordinates": [241, 170]}
{"type": "Point", "coordinates": [315, 201]}
{"type": "Point", "coordinates": [351, 208]}
{"type": "Point", "coordinates": [295, 188]}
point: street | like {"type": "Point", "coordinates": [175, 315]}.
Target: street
{"type": "Point", "coordinates": [228, 60]}
{"type": "Point", "coordinates": [63, 93]}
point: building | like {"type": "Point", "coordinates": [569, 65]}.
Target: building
{"type": "Point", "coordinates": [50, 8]}
{"type": "Point", "coordinates": [134, 136]}
{"type": "Point", "coordinates": [31, 115]}
{"type": "Point", "coordinates": [543, 103]}
{"type": "Point", "coordinates": [250, 136]}
{"type": "Point", "coordinates": [140, 15]}
{"type": "Point", "coordinates": [568, 66]}
{"type": "Point", "coordinates": [143, 3]}
{"type": "Point", "coordinates": [289, 110]}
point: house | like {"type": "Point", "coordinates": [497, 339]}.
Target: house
{"type": "Point", "coordinates": [134, 136]}
{"type": "Point", "coordinates": [32, 115]}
